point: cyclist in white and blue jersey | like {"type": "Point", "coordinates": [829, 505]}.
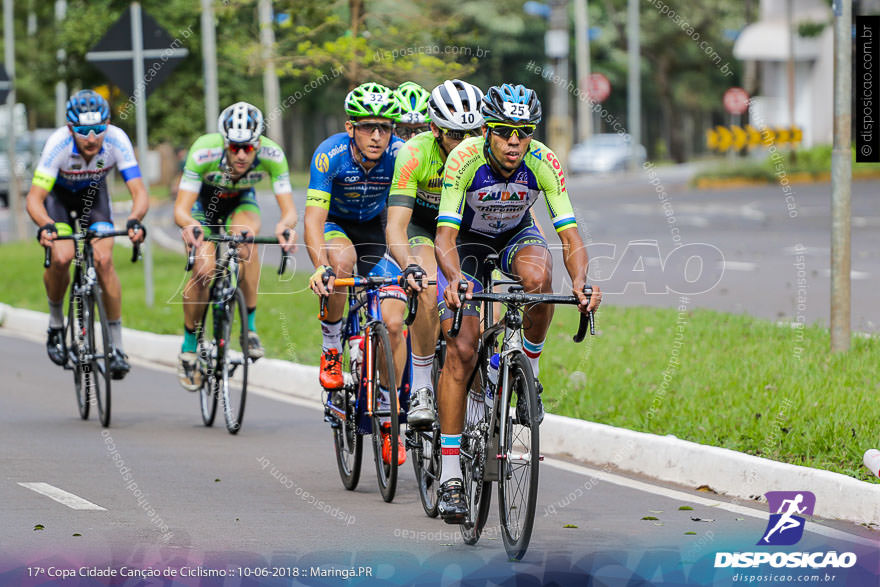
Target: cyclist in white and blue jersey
{"type": "Point", "coordinates": [71, 180]}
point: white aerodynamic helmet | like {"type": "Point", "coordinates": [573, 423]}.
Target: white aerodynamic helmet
{"type": "Point", "coordinates": [455, 105]}
{"type": "Point", "coordinates": [241, 123]}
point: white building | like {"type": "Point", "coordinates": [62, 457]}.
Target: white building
{"type": "Point", "coordinates": [764, 46]}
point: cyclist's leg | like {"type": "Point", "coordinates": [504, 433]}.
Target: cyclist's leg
{"type": "Point", "coordinates": [461, 357]}
{"type": "Point", "coordinates": [527, 256]}
{"type": "Point", "coordinates": [342, 258]}
{"type": "Point", "coordinates": [56, 277]}
{"type": "Point", "coordinates": [426, 327]}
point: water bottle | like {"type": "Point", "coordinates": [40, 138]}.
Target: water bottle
{"type": "Point", "coordinates": [494, 362]}
{"type": "Point", "coordinates": [355, 351]}
{"type": "Point", "coordinates": [872, 460]}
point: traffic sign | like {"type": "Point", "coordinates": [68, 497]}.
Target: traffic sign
{"type": "Point", "coordinates": [736, 100]}
{"type": "Point", "coordinates": [597, 87]}
{"type": "Point", "coordinates": [114, 53]}
{"type": "Point", "coordinates": [725, 138]}
{"type": "Point", "coordinates": [754, 136]}
{"type": "Point", "coordinates": [5, 84]}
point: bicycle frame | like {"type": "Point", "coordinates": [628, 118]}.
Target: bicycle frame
{"type": "Point", "coordinates": [368, 303]}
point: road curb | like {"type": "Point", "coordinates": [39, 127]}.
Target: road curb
{"type": "Point", "coordinates": [665, 458]}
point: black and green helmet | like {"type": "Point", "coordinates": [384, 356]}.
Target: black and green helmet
{"type": "Point", "coordinates": [371, 100]}
{"type": "Point", "coordinates": [413, 101]}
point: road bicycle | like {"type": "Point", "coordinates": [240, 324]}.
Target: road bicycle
{"type": "Point", "coordinates": [223, 355]}
{"type": "Point", "coordinates": [368, 369]}
{"type": "Point", "coordinates": [496, 446]}
{"type": "Point", "coordinates": [89, 349]}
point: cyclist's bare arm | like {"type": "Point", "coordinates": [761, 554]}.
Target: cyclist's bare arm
{"type": "Point", "coordinates": [183, 214]}
{"type": "Point", "coordinates": [36, 208]}
{"type": "Point", "coordinates": [288, 221]}
{"type": "Point", "coordinates": [574, 254]}
{"type": "Point", "coordinates": [395, 234]}
{"type": "Point", "coordinates": [140, 203]}
{"type": "Point", "coordinates": [315, 218]}
{"type": "Point", "coordinates": [449, 263]}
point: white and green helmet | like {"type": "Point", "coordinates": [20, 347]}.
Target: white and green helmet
{"type": "Point", "coordinates": [413, 101]}
{"type": "Point", "coordinates": [371, 100]}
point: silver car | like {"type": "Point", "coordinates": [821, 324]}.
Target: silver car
{"type": "Point", "coordinates": [604, 153]}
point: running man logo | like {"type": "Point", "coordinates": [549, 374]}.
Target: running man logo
{"type": "Point", "coordinates": [322, 162]}
{"type": "Point", "coordinates": [786, 526]}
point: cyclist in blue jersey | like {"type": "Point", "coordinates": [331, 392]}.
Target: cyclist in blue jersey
{"type": "Point", "coordinates": [350, 176]}
{"type": "Point", "coordinates": [71, 180]}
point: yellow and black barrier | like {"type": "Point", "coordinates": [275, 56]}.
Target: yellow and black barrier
{"type": "Point", "coordinates": [737, 138]}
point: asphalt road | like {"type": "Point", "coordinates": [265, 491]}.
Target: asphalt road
{"type": "Point", "coordinates": [271, 497]}
{"type": "Point", "coordinates": [746, 250]}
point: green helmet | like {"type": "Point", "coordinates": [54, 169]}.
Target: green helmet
{"type": "Point", "coordinates": [372, 99]}
{"type": "Point", "coordinates": [413, 101]}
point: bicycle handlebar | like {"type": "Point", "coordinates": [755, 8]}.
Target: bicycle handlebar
{"type": "Point", "coordinates": [373, 282]}
{"type": "Point", "coordinates": [521, 298]}
{"type": "Point", "coordinates": [235, 240]}
{"type": "Point", "coordinates": [90, 235]}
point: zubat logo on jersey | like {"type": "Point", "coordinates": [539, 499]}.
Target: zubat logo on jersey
{"type": "Point", "coordinates": [502, 196]}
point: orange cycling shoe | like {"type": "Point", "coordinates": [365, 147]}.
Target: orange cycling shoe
{"type": "Point", "coordinates": [331, 370]}
{"type": "Point", "coordinates": [386, 446]}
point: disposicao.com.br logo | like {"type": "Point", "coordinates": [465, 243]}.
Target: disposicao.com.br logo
{"type": "Point", "coordinates": [785, 528]}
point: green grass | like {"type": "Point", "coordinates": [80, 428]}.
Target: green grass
{"type": "Point", "coordinates": [720, 379]}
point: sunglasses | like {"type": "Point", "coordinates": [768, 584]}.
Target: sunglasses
{"type": "Point", "coordinates": [370, 127]}
{"type": "Point", "coordinates": [460, 135]}
{"type": "Point", "coordinates": [85, 130]}
{"type": "Point", "coordinates": [505, 131]}
{"type": "Point", "coordinates": [406, 132]}
{"type": "Point", "coordinates": [248, 148]}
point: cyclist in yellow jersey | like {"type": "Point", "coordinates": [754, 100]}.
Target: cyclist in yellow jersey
{"type": "Point", "coordinates": [454, 111]}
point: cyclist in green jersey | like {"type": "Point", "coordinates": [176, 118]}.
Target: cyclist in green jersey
{"type": "Point", "coordinates": [413, 118]}
{"type": "Point", "coordinates": [217, 191]}
{"type": "Point", "coordinates": [454, 111]}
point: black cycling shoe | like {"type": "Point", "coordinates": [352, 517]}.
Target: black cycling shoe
{"type": "Point", "coordinates": [451, 503]}
{"type": "Point", "coordinates": [55, 346]}
{"type": "Point", "coordinates": [119, 367]}
{"type": "Point", "coordinates": [522, 412]}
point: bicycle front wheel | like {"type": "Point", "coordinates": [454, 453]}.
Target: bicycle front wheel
{"type": "Point", "coordinates": [474, 455]}
{"type": "Point", "coordinates": [426, 450]}
{"type": "Point", "coordinates": [75, 340]}
{"type": "Point", "coordinates": [233, 361]}
{"type": "Point", "coordinates": [100, 354]}
{"type": "Point", "coordinates": [520, 456]}
{"type": "Point", "coordinates": [385, 419]}
{"type": "Point", "coordinates": [210, 382]}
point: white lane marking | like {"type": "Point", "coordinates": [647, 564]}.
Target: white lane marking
{"type": "Point", "coordinates": [72, 501]}
{"type": "Point", "coordinates": [687, 497]}
{"type": "Point", "coordinates": [739, 265]}
{"type": "Point", "coordinates": [852, 273]}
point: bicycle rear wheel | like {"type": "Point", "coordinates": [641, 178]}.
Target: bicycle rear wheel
{"type": "Point", "coordinates": [426, 452]}
{"type": "Point", "coordinates": [347, 439]}
{"type": "Point", "coordinates": [518, 467]}
{"type": "Point", "coordinates": [233, 363]}
{"type": "Point", "coordinates": [474, 443]}
{"type": "Point", "coordinates": [210, 382]}
{"type": "Point", "coordinates": [100, 354]}
{"type": "Point", "coordinates": [380, 365]}
{"type": "Point", "coordinates": [75, 341]}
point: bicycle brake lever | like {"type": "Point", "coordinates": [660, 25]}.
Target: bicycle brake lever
{"type": "Point", "coordinates": [47, 257]}
{"type": "Point", "coordinates": [284, 254]}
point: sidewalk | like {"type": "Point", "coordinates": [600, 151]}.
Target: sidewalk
{"type": "Point", "coordinates": [665, 458]}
